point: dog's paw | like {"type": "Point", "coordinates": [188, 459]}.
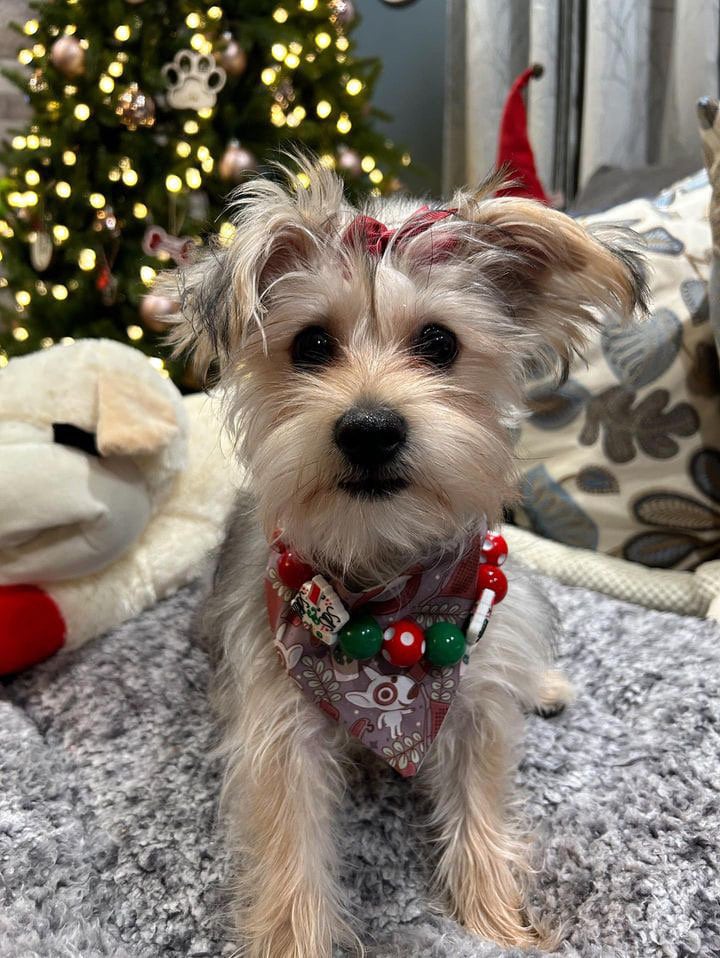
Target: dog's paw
{"type": "Point", "coordinates": [556, 693]}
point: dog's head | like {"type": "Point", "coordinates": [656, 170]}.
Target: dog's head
{"type": "Point", "coordinates": [374, 378]}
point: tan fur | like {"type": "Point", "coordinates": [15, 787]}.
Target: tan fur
{"type": "Point", "coordinates": [517, 284]}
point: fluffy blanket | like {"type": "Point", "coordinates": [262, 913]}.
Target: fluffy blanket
{"type": "Point", "coordinates": [108, 834]}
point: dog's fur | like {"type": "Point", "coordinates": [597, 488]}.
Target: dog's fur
{"type": "Point", "coordinates": [518, 284]}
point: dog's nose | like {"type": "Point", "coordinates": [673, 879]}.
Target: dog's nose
{"type": "Point", "coordinates": [370, 435]}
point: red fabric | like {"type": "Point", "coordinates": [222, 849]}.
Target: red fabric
{"type": "Point", "coordinates": [373, 236]}
{"type": "Point", "coordinates": [31, 627]}
{"type": "Point", "coordinates": [514, 150]}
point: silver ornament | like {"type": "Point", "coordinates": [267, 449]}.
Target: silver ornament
{"type": "Point", "coordinates": [232, 58]}
{"type": "Point", "coordinates": [41, 250]}
{"type": "Point", "coordinates": [235, 162]}
{"type": "Point", "coordinates": [68, 56]}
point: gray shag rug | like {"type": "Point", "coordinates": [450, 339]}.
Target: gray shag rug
{"type": "Point", "coordinates": [108, 835]}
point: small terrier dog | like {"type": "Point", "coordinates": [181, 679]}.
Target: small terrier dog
{"type": "Point", "coordinates": [373, 371]}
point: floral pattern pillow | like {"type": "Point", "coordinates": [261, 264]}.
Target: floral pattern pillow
{"type": "Point", "coordinates": [624, 457]}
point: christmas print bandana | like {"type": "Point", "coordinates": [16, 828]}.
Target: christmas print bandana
{"type": "Point", "coordinates": [394, 712]}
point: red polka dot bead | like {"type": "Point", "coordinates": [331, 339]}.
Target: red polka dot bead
{"type": "Point", "coordinates": [490, 577]}
{"type": "Point", "coordinates": [494, 549]}
{"type": "Point", "coordinates": [292, 571]}
{"type": "Point", "coordinates": [403, 643]}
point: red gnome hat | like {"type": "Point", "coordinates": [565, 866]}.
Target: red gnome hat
{"type": "Point", "coordinates": [514, 151]}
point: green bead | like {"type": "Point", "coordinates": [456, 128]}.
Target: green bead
{"type": "Point", "coordinates": [361, 638]}
{"type": "Point", "coordinates": [445, 644]}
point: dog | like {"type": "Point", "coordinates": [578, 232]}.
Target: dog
{"type": "Point", "coordinates": [372, 365]}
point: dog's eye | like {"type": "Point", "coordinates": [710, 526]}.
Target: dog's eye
{"type": "Point", "coordinates": [312, 348]}
{"type": "Point", "coordinates": [437, 346]}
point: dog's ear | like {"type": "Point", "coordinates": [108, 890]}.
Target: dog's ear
{"type": "Point", "coordinates": [223, 294]}
{"type": "Point", "coordinates": [556, 277]}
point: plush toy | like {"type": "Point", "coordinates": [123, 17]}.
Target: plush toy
{"type": "Point", "coordinates": [92, 441]}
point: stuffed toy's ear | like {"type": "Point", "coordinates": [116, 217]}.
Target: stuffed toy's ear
{"type": "Point", "coordinates": [133, 419]}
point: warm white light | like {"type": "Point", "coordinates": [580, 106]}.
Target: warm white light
{"type": "Point", "coordinates": [323, 109]}
{"type": "Point", "coordinates": [147, 275]}
{"type": "Point", "coordinates": [59, 291]}
{"type": "Point", "coordinates": [202, 153]}
{"type": "Point", "coordinates": [82, 112]}
{"type": "Point", "coordinates": [406, 159]}
{"type": "Point", "coordinates": [38, 50]}
{"type": "Point", "coordinates": [354, 86]}
{"type": "Point", "coordinates": [114, 175]}
{"type": "Point", "coordinates": [190, 127]}
{"type": "Point", "coordinates": [342, 43]}
{"type": "Point", "coordinates": [134, 332]}
{"type": "Point", "coordinates": [97, 200]}
{"type": "Point", "coordinates": [63, 189]}
{"type": "Point", "coordinates": [227, 231]}
{"type": "Point", "coordinates": [157, 363]}
{"type": "Point", "coordinates": [205, 113]}
{"type": "Point", "coordinates": [268, 76]}
{"type": "Point", "coordinates": [16, 199]}
{"type": "Point", "coordinates": [344, 124]}
{"type": "Point", "coordinates": [86, 259]}
{"type": "Point", "coordinates": [280, 15]}
{"type": "Point", "coordinates": [173, 183]}
{"type": "Point", "coordinates": [115, 69]}
{"type": "Point", "coordinates": [197, 41]}
{"type": "Point", "coordinates": [367, 163]}
{"type": "Point", "coordinates": [323, 40]}
{"type": "Point", "coordinates": [304, 180]}
{"type": "Point", "coordinates": [18, 143]}
{"type": "Point", "coordinates": [193, 178]}
{"type": "Point", "coordinates": [106, 84]}
{"type": "Point", "coordinates": [129, 177]}
{"type": "Point", "coordinates": [292, 61]}
{"type": "Point", "coordinates": [33, 141]}
{"type": "Point", "coordinates": [60, 232]}
{"type": "Point", "coordinates": [376, 176]}
{"type": "Point", "coordinates": [21, 334]}
{"type": "Point", "coordinates": [25, 57]}
{"type": "Point", "coordinates": [31, 27]}
{"type": "Point", "coordinates": [208, 164]}
{"type": "Point", "coordinates": [22, 297]}
{"type": "Point", "coordinates": [122, 33]}
{"type": "Point", "coordinates": [46, 342]}
{"type": "Point", "coordinates": [140, 211]}
{"type": "Point", "coordinates": [309, 5]}
{"type": "Point", "coordinates": [69, 158]}
{"type": "Point", "coordinates": [30, 198]}
{"type": "Point", "coordinates": [193, 20]}
{"type": "Point", "coordinates": [32, 177]}
{"type": "Point", "coordinates": [3, 360]}
{"type": "Point", "coordinates": [279, 51]}
{"type": "Point", "coordinates": [327, 160]}
{"type": "Point", "coordinates": [214, 12]}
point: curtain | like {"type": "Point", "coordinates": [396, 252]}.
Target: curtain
{"type": "Point", "coordinates": [620, 84]}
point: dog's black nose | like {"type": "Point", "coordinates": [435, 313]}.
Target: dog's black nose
{"type": "Point", "coordinates": [370, 435]}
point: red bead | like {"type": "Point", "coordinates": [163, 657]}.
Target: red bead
{"type": "Point", "coordinates": [403, 643]}
{"type": "Point", "coordinates": [494, 549]}
{"type": "Point", "coordinates": [490, 577]}
{"type": "Point", "coordinates": [292, 571]}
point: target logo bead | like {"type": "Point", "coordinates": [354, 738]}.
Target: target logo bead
{"type": "Point", "coordinates": [293, 572]}
{"type": "Point", "coordinates": [403, 643]}
{"type": "Point", "coordinates": [490, 577]}
{"type": "Point", "coordinates": [494, 549]}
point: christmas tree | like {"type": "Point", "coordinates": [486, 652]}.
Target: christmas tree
{"type": "Point", "coordinates": [145, 114]}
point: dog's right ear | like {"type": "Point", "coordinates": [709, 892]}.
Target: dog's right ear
{"type": "Point", "coordinates": [223, 295]}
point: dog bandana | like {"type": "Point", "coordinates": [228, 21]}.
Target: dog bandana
{"type": "Point", "coordinates": [373, 236]}
{"type": "Point", "coordinates": [396, 712]}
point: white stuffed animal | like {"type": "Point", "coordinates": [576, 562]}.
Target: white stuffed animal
{"type": "Point", "coordinates": [92, 440]}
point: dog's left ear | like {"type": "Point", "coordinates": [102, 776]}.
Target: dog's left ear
{"type": "Point", "coordinates": [556, 277]}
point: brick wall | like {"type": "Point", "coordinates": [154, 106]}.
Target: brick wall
{"type": "Point", "coordinates": [13, 108]}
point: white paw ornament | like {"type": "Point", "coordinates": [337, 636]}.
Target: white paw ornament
{"type": "Point", "coordinates": [492, 585]}
{"type": "Point", "coordinates": [194, 81]}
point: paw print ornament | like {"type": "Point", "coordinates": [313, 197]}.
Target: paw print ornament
{"type": "Point", "coordinates": [194, 81]}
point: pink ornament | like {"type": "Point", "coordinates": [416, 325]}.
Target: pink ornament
{"type": "Point", "coordinates": [155, 310]}
{"type": "Point", "coordinates": [349, 161]}
{"type": "Point", "coordinates": [235, 162]}
{"type": "Point", "coordinates": [403, 643]}
{"type": "Point", "coordinates": [233, 58]}
{"type": "Point", "coordinates": [490, 577]}
{"type": "Point", "coordinates": [494, 549]}
{"type": "Point", "coordinates": [68, 56]}
{"type": "Point", "coordinates": [293, 572]}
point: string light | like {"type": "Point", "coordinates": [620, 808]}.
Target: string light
{"type": "Point", "coordinates": [279, 51]}
{"type": "Point", "coordinates": [38, 50]}
{"type": "Point", "coordinates": [280, 15]}
{"type": "Point", "coordinates": [208, 164]}
{"type": "Point", "coordinates": [147, 275]}
{"type": "Point", "coordinates": [342, 43]}
{"type": "Point", "coordinates": [304, 180]}
{"type": "Point", "coordinates": [367, 164]}
{"type": "Point", "coordinates": [45, 141]}
{"type": "Point", "coordinates": [327, 160]}
{"type": "Point", "coordinates": [193, 20]}
{"type": "Point", "coordinates": [22, 297]}
{"type": "Point", "coordinates": [309, 5]}
{"type": "Point", "coordinates": [122, 33]}
{"type": "Point", "coordinates": [140, 211]}
{"type": "Point", "coordinates": [344, 124]}
{"type": "Point", "coordinates": [173, 183]}
{"type": "Point", "coordinates": [81, 112]}
{"type": "Point", "coordinates": [203, 153]}
{"type": "Point", "coordinates": [268, 76]}
{"type": "Point", "coordinates": [114, 175]}
{"type": "Point", "coordinates": [323, 109]}
{"type": "Point", "coordinates": [183, 149]}
{"type": "Point", "coordinates": [97, 200]}
{"type": "Point", "coordinates": [20, 333]}
{"type": "Point", "coordinates": [134, 332]}
{"type": "Point", "coordinates": [67, 340]}
{"type": "Point", "coordinates": [63, 189]}
{"type": "Point", "coordinates": [354, 86]}
{"type": "Point", "coordinates": [59, 291]}
{"type": "Point", "coordinates": [214, 13]}
{"type": "Point", "coordinates": [376, 176]}
{"type": "Point", "coordinates": [46, 342]}
{"type": "Point", "coordinates": [277, 117]}
{"type": "Point", "coordinates": [292, 61]}
{"type": "Point", "coordinates": [60, 232]}
{"type": "Point", "coordinates": [31, 27]}
{"type": "Point", "coordinates": [322, 40]}
{"type": "Point", "coordinates": [25, 57]}
{"type": "Point", "coordinates": [30, 198]}
{"type": "Point", "coordinates": [190, 127]}
{"type": "Point", "coordinates": [157, 363]}
{"type": "Point", "coordinates": [197, 41]}
{"type": "Point", "coordinates": [130, 178]}
{"type": "Point", "coordinates": [16, 199]}
{"type": "Point", "coordinates": [227, 231]}
{"type": "Point", "coordinates": [406, 159]}
{"type": "Point", "coordinates": [6, 230]}
{"type": "Point", "coordinates": [106, 83]}
{"type": "Point", "coordinates": [295, 47]}
{"type": "Point", "coordinates": [205, 113]}
{"type": "Point", "coordinates": [33, 141]}
{"type": "Point", "coordinates": [18, 143]}
{"type": "Point", "coordinates": [87, 259]}
{"type": "Point", "coordinates": [69, 158]}
{"type": "Point", "coordinates": [193, 178]}
{"type": "Point", "coordinates": [70, 29]}
{"type": "Point", "coordinates": [32, 177]}
{"type": "Point", "coordinates": [115, 69]}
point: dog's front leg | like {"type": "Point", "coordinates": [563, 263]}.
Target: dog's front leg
{"type": "Point", "coordinates": [482, 855]}
{"type": "Point", "coordinates": [284, 782]}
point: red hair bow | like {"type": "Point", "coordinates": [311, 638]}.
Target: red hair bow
{"type": "Point", "coordinates": [373, 236]}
